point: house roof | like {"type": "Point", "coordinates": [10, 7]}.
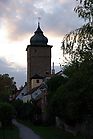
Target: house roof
{"type": "Point", "coordinates": [39, 91]}
{"type": "Point", "coordinates": [59, 73]}
{"type": "Point", "coordinates": [22, 92]}
{"type": "Point", "coordinates": [62, 74]}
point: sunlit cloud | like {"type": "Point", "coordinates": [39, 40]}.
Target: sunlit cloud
{"type": "Point", "coordinates": [20, 17]}
{"type": "Point", "coordinates": [18, 21]}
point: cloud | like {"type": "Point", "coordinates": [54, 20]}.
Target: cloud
{"type": "Point", "coordinates": [18, 21]}
{"type": "Point", "coordinates": [20, 17]}
{"type": "Point", "coordinates": [62, 19]}
{"type": "Point", "coordinates": [13, 70]}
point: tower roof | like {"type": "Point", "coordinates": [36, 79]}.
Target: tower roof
{"type": "Point", "coordinates": [38, 38]}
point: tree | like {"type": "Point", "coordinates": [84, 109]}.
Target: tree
{"type": "Point", "coordinates": [53, 84]}
{"type": "Point", "coordinates": [79, 43]}
{"type": "Point", "coordinates": [24, 110]}
{"type": "Point", "coordinates": [73, 101]}
{"type": "Point", "coordinates": [85, 9]}
{"type": "Point", "coordinates": [7, 86]}
{"type": "Point", "coordinates": [6, 114]}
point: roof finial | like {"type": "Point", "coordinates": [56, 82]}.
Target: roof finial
{"type": "Point", "coordinates": [53, 70]}
{"type": "Point", "coordinates": [39, 18]}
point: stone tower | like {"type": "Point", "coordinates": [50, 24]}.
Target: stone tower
{"type": "Point", "coordinates": [38, 56]}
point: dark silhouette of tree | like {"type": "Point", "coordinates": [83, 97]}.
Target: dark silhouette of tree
{"type": "Point", "coordinates": [7, 86]}
{"type": "Point", "coordinates": [79, 43]}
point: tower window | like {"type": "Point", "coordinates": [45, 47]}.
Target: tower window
{"type": "Point", "coordinates": [37, 81]}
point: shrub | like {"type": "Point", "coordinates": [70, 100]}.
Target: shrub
{"type": "Point", "coordinates": [6, 114]}
{"type": "Point", "coordinates": [23, 110]}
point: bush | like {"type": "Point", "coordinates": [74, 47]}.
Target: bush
{"type": "Point", "coordinates": [73, 101]}
{"type": "Point", "coordinates": [23, 110]}
{"type": "Point", "coordinates": [6, 114]}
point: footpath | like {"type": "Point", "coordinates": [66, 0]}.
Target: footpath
{"type": "Point", "coordinates": [25, 132]}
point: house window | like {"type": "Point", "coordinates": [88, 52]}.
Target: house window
{"type": "Point", "coordinates": [37, 81]}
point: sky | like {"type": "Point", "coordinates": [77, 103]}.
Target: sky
{"type": "Point", "coordinates": [18, 22]}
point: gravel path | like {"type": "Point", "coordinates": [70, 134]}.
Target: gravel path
{"type": "Point", "coordinates": [25, 132]}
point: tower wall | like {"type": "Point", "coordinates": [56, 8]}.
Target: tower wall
{"type": "Point", "coordinates": [38, 62]}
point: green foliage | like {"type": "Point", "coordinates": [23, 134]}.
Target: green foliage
{"type": "Point", "coordinates": [79, 42]}
{"type": "Point", "coordinates": [73, 101]}
{"type": "Point", "coordinates": [7, 87]}
{"type": "Point", "coordinates": [24, 110]}
{"type": "Point", "coordinates": [48, 132]}
{"type": "Point", "coordinates": [17, 104]}
{"type": "Point", "coordinates": [9, 133]}
{"type": "Point", "coordinates": [85, 9]}
{"type": "Point", "coordinates": [53, 84]}
{"type": "Point", "coordinates": [6, 114]}
{"type": "Point", "coordinates": [4, 96]}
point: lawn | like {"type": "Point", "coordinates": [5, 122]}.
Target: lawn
{"type": "Point", "coordinates": [52, 132]}
{"type": "Point", "coordinates": [9, 133]}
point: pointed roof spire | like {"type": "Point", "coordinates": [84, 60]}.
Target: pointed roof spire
{"type": "Point", "coordinates": [38, 38]}
{"type": "Point", "coordinates": [53, 70]}
{"type": "Point", "coordinates": [38, 24]}
{"type": "Point", "coordinates": [39, 18]}
{"type": "Point", "coordinates": [38, 28]}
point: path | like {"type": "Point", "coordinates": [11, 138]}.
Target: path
{"type": "Point", "coordinates": [25, 132]}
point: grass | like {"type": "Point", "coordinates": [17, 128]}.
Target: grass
{"type": "Point", "coordinates": [9, 133]}
{"type": "Point", "coordinates": [52, 132]}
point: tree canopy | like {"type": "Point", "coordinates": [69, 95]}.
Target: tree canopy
{"type": "Point", "coordinates": [7, 86]}
{"type": "Point", "coordinates": [79, 42]}
{"type": "Point", "coordinates": [85, 9]}
{"type": "Point", "coordinates": [73, 100]}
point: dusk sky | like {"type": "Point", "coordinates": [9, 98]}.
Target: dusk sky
{"type": "Point", "coordinates": [18, 21]}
